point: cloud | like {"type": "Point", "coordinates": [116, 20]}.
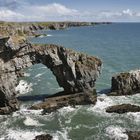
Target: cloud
{"type": "Point", "coordinates": [55, 9]}
{"type": "Point", "coordinates": [128, 12]}
{"type": "Point", "coordinates": [21, 10]}
{"type": "Point", "coordinates": [9, 4]}
{"type": "Point", "coordinates": [8, 15]}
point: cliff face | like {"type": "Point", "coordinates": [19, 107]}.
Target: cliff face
{"type": "Point", "coordinates": [126, 83]}
{"type": "Point", "coordinates": [75, 72]}
{"type": "Point", "coordinates": [24, 29]}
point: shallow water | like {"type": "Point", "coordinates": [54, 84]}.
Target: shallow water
{"type": "Point", "coordinates": [118, 45]}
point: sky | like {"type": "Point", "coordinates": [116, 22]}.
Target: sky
{"type": "Point", "coordinates": [70, 10]}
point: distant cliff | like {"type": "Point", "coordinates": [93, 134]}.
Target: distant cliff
{"type": "Point", "coordinates": [30, 28]}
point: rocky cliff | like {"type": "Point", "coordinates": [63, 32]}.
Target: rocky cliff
{"type": "Point", "coordinates": [75, 72]}
{"type": "Point", "coordinates": [126, 83]}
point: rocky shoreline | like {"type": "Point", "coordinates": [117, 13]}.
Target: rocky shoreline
{"type": "Point", "coordinates": [75, 72]}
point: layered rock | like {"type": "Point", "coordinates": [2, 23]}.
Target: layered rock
{"type": "Point", "coordinates": [123, 108]}
{"type": "Point", "coordinates": [75, 72]}
{"type": "Point", "coordinates": [127, 83]}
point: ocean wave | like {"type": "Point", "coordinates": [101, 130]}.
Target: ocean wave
{"type": "Point", "coordinates": [49, 35]}
{"type": "Point", "coordinates": [134, 116]}
{"type": "Point", "coordinates": [26, 74]}
{"type": "Point", "coordinates": [104, 101]}
{"type": "Point", "coordinates": [39, 75]}
{"type": "Point", "coordinates": [62, 135]}
{"type": "Point", "coordinates": [24, 87]}
{"type": "Point", "coordinates": [21, 135]}
{"type": "Point", "coordinates": [116, 133]}
{"type": "Point", "coordinates": [31, 122]}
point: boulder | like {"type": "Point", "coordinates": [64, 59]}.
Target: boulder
{"type": "Point", "coordinates": [133, 135]}
{"type": "Point", "coordinates": [43, 137]}
{"type": "Point", "coordinates": [123, 108]}
{"type": "Point", "coordinates": [127, 83]}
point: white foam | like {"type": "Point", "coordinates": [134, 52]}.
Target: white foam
{"type": "Point", "coordinates": [21, 135]}
{"type": "Point", "coordinates": [27, 74]}
{"type": "Point", "coordinates": [49, 35]}
{"type": "Point", "coordinates": [24, 87]}
{"type": "Point", "coordinates": [31, 122]}
{"type": "Point", "coordinates": [116, 133]}
{"type": "Point", "coordinates": [134, 116]}
{"type": "Point", "coordinates": [104, 101]}
{"type": "Point", "coordinates": [62, 135]}
{"type": "Point", "coordinates": [65, 110]}
{"type": "Point", "coordinates": [25, 111]}
{"type": "Point", "coordinates": [39, 75]}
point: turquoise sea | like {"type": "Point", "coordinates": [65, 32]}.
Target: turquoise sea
{"type": "Point", "coordinates": [118, 46]}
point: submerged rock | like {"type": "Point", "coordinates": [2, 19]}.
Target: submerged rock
{"type": "Point", "coordinates": [133, 135]}
{"type": "Point", "coordinates": [43, 137]}
{"type": "Point", "coordinates": [127, 83]}
{"type": "Point", "coordinates": [75, 72]}
{"type": "Point", "coordinates": [123, 108]}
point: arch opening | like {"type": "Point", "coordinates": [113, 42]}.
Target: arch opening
{"type": "Point", "coordinates": [38, 82]}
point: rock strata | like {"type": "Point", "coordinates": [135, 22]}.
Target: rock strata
{"type": "Point", "coordinates": [127, 83]}
{"type": "Point", "coordinates": [123, 108]}
{"type": "Point", "coordinates": [75, 72]}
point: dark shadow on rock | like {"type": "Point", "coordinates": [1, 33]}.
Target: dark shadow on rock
{"type": "Point", "coordinates": [27, 98]}
{"type": "Point", "coordinates": [41, 97]}
{"type": "Point", "coordinates": [105, 91]}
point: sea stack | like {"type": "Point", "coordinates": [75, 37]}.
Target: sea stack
{"type": "Point", "coordinates": [126, 83]}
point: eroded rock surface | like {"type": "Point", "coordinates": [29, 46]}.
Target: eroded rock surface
{"type": "Point", "coordinates": [127, 83]}
{"type": "Point", "coordinates": [123, 108]}
{"type": "Point", "coordinates": [75, 72]}
{"type": "Point", "coordinates": [53, 103]}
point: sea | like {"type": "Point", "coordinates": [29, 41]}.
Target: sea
{"type": "Point", "coordinates": [118, 46]}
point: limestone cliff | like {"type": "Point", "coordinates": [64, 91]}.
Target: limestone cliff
{"type": "Point", "coordinates": [75, 72]}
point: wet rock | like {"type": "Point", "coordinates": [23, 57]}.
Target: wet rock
{"type": "Point", "coordinates": [123, 108]}
{"type": "Point", "coordinates": [75, 72]}
{"type": "Point", "coordinates": [43, 137]}
{"type": "Point", "coordinates": [127, 83]}
{"type": "Point", "coordinates": [133, 135]}
{"type": "Point", "coordinates": [53, 103]}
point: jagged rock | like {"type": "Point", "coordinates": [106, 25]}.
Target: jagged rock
{"type": "Point", "coordinates": [127, 83]}
{"type": "Point", "coordinates": [75, 72]}
{"type": "Point", "coordinates": [53, 103]}
{"type": "Point", "coordinates": [43, 137]}
{"type": "Point", "coordinates": [133, 135]}
{"type": "Point", "coordinates": [123, 108]}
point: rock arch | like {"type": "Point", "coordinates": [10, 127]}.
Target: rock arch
{"type": "Point", "coordinates": [75, 72]}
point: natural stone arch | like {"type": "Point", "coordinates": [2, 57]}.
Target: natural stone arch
{"type": "Point", "coordinates": [75, 72]}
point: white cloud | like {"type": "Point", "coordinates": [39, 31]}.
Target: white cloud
{"type": "Point", "coordinates": [128, 12]}
{"type": "Point", "coordinates": [138, 14]}
{"type": "Point", "coordinates": [108, 14]}
{"type": "Point", "coordinates": [55, 9]}
{"type": "Point", "coordinates": [6, 14]}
